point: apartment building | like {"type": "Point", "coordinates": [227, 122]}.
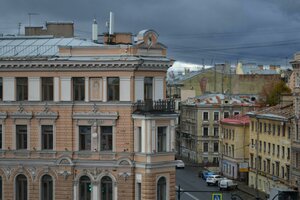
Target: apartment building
{"type": "Point", "coordinates": [81, 121]}
{"type": "Point", "coordinates": [198, 140]}
{"type": "Point", "coordinates": [295, 162]}
{"type": "Point", "coordinates": [270, 147]}
{"type": "Point", "coordinates": [234, 147]}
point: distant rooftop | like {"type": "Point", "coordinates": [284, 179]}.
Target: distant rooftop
{"type": "Point", "coordinates": [278, 112]}
{"type": "Point", "coordinates": [237, 119]}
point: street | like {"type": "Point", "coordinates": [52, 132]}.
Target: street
{"type": "Point", "coordinates": [189, 181]}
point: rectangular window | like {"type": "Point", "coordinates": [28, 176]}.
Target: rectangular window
{"type": "Point", "coordinates": [288, 172]}
{"type": "Point", "coordinates": [282, 171]}
{"type": "Point", "coordinates": [216, 147]}
{"type": "Point", "coordinates": [260, 146]}
{"type": "Point", "coordinates": [106, 138]}
{"type": "Point", "coordinates": [288, 153]}
{"type": "Point", "coordinates": [252, 126]}
{"type": "Point", "coordinates": [47, 89]}
{"type": "Point", "coordinates": [232, 147]}
{"type": "Point", "coordinates": [216, 131]}
{"type": "Point", "coordinates": [47, 137]}
{"type": "Point", "coordinates": [205, 116]}
{"type": "Point", "coordinates": [273, 152]}
{"type": "Point", "coordinates": [277, 169]}
{"type": "Point", "coordinates": [216, 116]}
{"type": "Point", "coordinates": [161, 139]}
{"type": "Point", "coordinates": [148, 88]}
{"type": "Point", "coordinates": [84, 138]}
{"type": "Point", "coordinates": [1, 89]}
{"type": "Point", "coordinates": [139, 147]}
{"type": "Point", "coordinates": [226, 114]}
{"type": "Point", "coordinates": [268, 166]}
{"type": "Point", "coordinates": [21, 136]}
{"type": "Point", "coordinates": [205, 131]}
{"type": "Point", "coordinates": [278, 130]}
{"type": "Point", "coordinates": [269, 148]}
{"type": "Point", "coordinates": [139, 191]}
{"type": "Point", "coordinates": [78, 89]}
{"type": "Point", "coordinates": [278, 150]}
{"type": "Point", "coordinates": [289, 132]}
{"type": "Point", "coordinates": [265, 147]}
{"type": "Point", "coordinates": [22, 89]}
{"type": "Point", "coordinates": [265, 127]}
{"type": "Point", "coordinates": [273, 169]}
{"type": "Point", "coordinates": [251, 161]}
{"type": "Point", "coordinates": [236, 113]}
{"type": "Point", "coordinates": [265, 166]}
{"type": "Point", "coordinates": [113, 88]}
{"type": "Point", "coordinates": [283, 152]}
{"type": "Point", "coordinates": [205, 147]}
{"type": "Point", "coordinates": [273, 129]}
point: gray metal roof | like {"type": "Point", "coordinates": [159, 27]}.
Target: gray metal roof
{"type": "Point", "coordinates": [37, 46]}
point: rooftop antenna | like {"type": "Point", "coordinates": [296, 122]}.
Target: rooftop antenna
{"type": "Point", "coordinates": [19, 28]}
{"type": "Point", "coordinates": [95, 31]}
{"type": "Point", "coordinates": [29, 17]}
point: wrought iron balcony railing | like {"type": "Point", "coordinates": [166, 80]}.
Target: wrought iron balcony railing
{"type": "Point", "coordinates": [159, 106]}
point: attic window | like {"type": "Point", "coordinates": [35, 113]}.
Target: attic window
{"type": "Point", "coordinates": [226, 101]}
{"type": "Point", "coordinates": [253, 98]}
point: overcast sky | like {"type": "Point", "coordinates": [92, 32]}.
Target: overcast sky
{"type": "Point", "coordinates": [195, 31]}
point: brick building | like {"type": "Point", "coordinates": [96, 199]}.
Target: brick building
{"type": "Point", "coordinates": [82, 121]}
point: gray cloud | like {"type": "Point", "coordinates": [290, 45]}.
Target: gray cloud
{"type": "Point", "coordinates": [194, 30]}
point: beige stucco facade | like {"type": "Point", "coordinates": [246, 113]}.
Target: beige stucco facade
{"type": "Point", "coordinates": [133, 160]}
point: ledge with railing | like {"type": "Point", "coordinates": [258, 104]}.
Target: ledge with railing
{"type": "Point", "coordinates": [150, 106]}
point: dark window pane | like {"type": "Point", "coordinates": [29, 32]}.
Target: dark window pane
{"type": "Point", "coordinates": [47, 89]}
{"type": "Point", "coordinates": [78, 89]}
{"type": "Point", "coordinates": [1, 89]}
{"type": "Point", "coordinates": [21, 187]}
{"type": "Point", "coordinates": [84, 138]}
{"type": "Point", "coordinates": [1, 136]}
{"type": "Point", "coordinates": [21, 136]}
{"type": "Point", "coordinates": [148, 88]}
{"type": "Point", "coordinates": [162, 189]}
{"type": "Point", "coordinates": [113, 85]}
{"type": "Point", "coordinates": [85, 188]}
{"type": "Point", "coordinates": [106, 188]}
{"type": "Point", "coordinates": [106, 138]}
{"type": "Point", "coordinates": [47, 188]}
{"type": "Point", "coordinates": [47, 137]}
{"type": "Point", "coordinates": [161, 139]}
{"type": "Point", "coordinates": [22, 89]}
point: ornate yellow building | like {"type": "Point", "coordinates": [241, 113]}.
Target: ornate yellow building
{"type": "Point", "coordinates": [82, 121]}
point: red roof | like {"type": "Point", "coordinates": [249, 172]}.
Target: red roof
{"type": "Point", "coordinates": [237, 119]}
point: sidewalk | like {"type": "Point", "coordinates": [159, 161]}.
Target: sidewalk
{"type": "Point", "coordinates": [242, 186]}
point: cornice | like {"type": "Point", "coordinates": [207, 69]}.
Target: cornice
{"type": "Point", "coordinates": [95, 115]}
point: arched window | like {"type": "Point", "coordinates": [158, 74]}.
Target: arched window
{"type": "Point", "coordinates": [85, 188]}
{"type": "Point", "coordinates": [162, 189]}
{"type": "Point", "coordinates": [21, 187]}
{"type": "Point", "coordinates": [106, 188]}
{"type": "Point", "coordinates": [47, 188]}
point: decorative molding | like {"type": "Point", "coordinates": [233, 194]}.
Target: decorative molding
{"type": "Point", "coordinates": [65, 174]}
{"type": "Point", "coordinates": [3, 115]}
{"type": "Point", "coordinates": [95, 115]}
{"type": "Point", "coordinates": [46, 113]}
{"type": "Point", "coordinates": [21, 114]}
{"type": "Point", "coordinates": [8, 171]}
{"type": "Point", "coordinates": [32, 171]}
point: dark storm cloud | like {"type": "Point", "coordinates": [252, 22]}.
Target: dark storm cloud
{"type": "Point", "coordinates": [194, 30]}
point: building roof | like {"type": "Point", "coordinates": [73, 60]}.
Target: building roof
{"type": "Point", "coordinates": [222, 99]}
{"type": "Point", "coordinates": [279, 112]}
{"type": "Point", "coordinates": [237, 119]}
{"type": "Point", "coordinates": [37, 46]}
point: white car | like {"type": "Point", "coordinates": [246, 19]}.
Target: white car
{"type": "Point", "coordinates": [227, 184]}
{"type": "Point", "coordinates": [180, 164]}
{"type": "Point", "coordinates": [214, 179]}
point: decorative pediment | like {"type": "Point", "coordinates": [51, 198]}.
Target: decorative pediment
{"type": "Point", "coordinates": [96, 115]}
{"type": "Point", "coordinates": [21, 115]}
{"type": "Point", "coordinates": [3, 115]}
{"type": "Point", "coordinates": [46, 115]}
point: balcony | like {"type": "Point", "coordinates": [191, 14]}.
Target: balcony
{"type": "Point", "coordinates": [154, 107]}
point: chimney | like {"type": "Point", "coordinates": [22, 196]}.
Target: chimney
{"type": "Point", "coordinates": [95, 31]}
{"type": "Point", "coordinates": [111, 23]}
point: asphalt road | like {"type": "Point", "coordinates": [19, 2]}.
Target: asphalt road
{"type": "Point", "coordinates": [189, 181]}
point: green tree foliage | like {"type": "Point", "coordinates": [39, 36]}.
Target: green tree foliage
{"type": "Point", "coordinates": [271, 92]}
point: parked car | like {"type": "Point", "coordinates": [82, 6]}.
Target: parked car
{"type": "Point", "coordinates": [205, 174]}
{"type": "Point", "coordinates": [214, 179]}
{"type": "Point", "coordinates": [180, 164]}
{"type": "Point", "coordinates": [227, 184]}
